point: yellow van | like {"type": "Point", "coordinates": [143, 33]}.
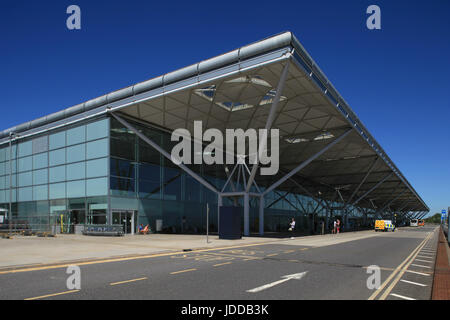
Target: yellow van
{"type": "Point", "coordinates": [384, 225]}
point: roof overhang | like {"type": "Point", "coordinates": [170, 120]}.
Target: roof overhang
{"type": "Point", "coordinates": [235, 90]}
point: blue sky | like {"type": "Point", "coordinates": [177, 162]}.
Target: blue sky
{"type": "Point", "coordinates": [396, 79]}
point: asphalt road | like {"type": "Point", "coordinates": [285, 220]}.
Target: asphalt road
{"type": "Point", "coordinates": [340, 271]}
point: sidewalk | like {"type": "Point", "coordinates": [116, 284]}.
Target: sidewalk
{"type": "Point", "coordinates": [441, 281]}
{"type": "Point", "coordinates": [24, 251]}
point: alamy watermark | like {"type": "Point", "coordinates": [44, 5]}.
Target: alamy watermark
{"type": "Point", "coordinates": [73, 22]}
{"type": "Point", "coordinates": [235, 142]}
{"type": "Point", "coordinates": [374, 20]}
{"type": "Point", "coordinates": [374, 280]}
{"type": "Point", "coordinates": [73, 282]}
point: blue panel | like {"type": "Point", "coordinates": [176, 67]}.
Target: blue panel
{"type": "Point", "coordinates": [97, 130]}
{"type": "Point", "coordinates": [76, 189]}
{"type": "Point", "coordinates": [40, 193]}
{"type": "Point", "coordinates": [97, 149]}
{"type": "Point", "coordinates": [76, 171]}
{"type": "Point", "coordinates": [97, 168]}
{"type": "Point", "coordinates": [25, 148]}
{"type": "Point", "coordinates": [76, 153]}
{"type": "Point", "coordinates": [40, 176]}
{"type": "Point", "coordinates": [57, 174]}
{"type": "Point", "coordinates": [57, 140]}
{"type": "Point", "coordinates": [57, 191]}
{"type": "Point", "coordinates": [40, 161]}
{"type": "Point", "coordinates": [96, 187]}
{"type": "Point", "coordinates": [25, 164]}
{"type": "Point", "coordinates": [76, 135]}
{"type": "Point", "coordinates": [57, 157]}
{"type": "Point", "coordinates": [26, 194]}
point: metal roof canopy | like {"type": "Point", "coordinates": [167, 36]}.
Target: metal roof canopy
{"type": "Point", "coordinates": [236, 90]}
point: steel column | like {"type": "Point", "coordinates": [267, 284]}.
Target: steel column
{"type": "Point", "coordinates": [246, 214]}
{"type": "Point", "coordinates": [261, 215]}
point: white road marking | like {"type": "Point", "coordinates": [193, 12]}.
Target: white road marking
{"type": "Point", "coordinates": [429, 261]}
{"type": "Point", "coordinates": [415, 283]}
{"type": "Point", "coordinates": [427, 257]}
{"type": "Point", "coordinates": [401, 297]}
{"type": "Point", "coordinates": [419, 265]}
{"type": "Point", "coordinates": [419, 273]}
{"type": "Point", "coordinates": [296, 276]}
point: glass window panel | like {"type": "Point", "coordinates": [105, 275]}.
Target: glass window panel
{"type": "Point", "coordinates": [57, 191]}
{"type": "Point", "coordinates": [172, 184]}
{"type": "Point", "coordinates": [13, 180]}
{"type": "Point", "coordinates": [97, 187]}
{"type": "Point", "coordinates": [26, 194]}
{"type": "Point", "coordinates": [76, 189]}
{"type": "Point", "coordinates": [97, 129]}
{"type": "Point", "coordinates": [3, 155]}
{"type": "Point", "coordinates": [76, 153]}
{"type": "Point", "coordinates": [40, 193]}
{"type": "Point", "coordinates": [14, 195]}
{"type": "Point", "coordinates": [76, 171]}
{"type": "Point", "coordinates": [97, 149]}
{"type": "Point", "coordinates": [3, 196]}
{"type": "Point", "coordinates": [149, 189]}
{"type": "Point", "coordinates": [40, 144]}
{"type": "Point", "coordinates": [40, 161]}
{"type": "Point", "coordinates": [25, 179]}
{"type": "Point", "coordinates": [122, 168]}
{"type": "Point", "coordinates": [3, 182]}
{"type": "Point", "coordinates": [25, 148]}
{"type": "Point", "coordinates": [149, 172]}
{"type": "Point", "coordinates": [125, 149]}
{"type": "Point", "coordinates": [124, 187]}
{"type": "Point", "coordinates": [13, 164]}
{"type": "Point", "coordinates": [57, 174]}
{"type": "Point", "coordinates": [2, 168]}
{"type": "Point", "coordinates": [76, 135]}
{"type": "Point", "coordinates": [57, 157]}
{"type": "Point", "coordinates": [97, 168]}
{"type": "Point", "coordinates": [40, 176]}
{"type": "Point", "coordinates": [57, 140]}
{"type": "Point", "coordinates": [25, 164]}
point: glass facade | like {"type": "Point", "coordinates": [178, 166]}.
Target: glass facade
{"type": "Point", "coordinates": [51, 170]}
{"type": "Point", "coordinates": [94, 171]}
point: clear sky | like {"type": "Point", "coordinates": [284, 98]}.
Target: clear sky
{"type": "Point", "coordinates": [396, 79]}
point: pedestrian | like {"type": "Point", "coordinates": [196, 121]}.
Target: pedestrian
{"type": "Point", "coordinates": [334, 226]}
{"type": "Point", "coordinates": [338, 225]}
{"type": "Point", "coordinates": [292, 226]}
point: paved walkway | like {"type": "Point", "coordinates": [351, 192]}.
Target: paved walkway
{"type": "Point", "coordinates": [31, 250]}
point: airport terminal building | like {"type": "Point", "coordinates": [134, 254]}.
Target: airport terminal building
{"type": "Point", "coordinates": [106, 161]}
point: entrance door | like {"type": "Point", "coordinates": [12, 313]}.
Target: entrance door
{"type": "Point", "coordinates": [125, 218]}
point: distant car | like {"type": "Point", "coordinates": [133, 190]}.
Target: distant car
{"type": "Point", "coordinates": [414, 223]}
{"type": "Point", "coordinates": [421, 223]}
{"type": "Point", "coordinates": [384, 225]}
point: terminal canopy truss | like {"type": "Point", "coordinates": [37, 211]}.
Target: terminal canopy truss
{"type": "Point", "coordinates": [308, 118]}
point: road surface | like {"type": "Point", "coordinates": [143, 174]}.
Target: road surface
{"type": "Point", "coordinates": [283, 270]}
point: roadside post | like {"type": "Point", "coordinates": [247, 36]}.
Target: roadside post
{"type": "Point", "coordinates": [207, 223]}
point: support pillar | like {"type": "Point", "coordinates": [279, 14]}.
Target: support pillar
{"type": "Point", "coordinates": [246, 214]}
{"type": "Point", "coordinates": [261, 215]}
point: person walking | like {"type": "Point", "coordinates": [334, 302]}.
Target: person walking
{"type": "Point", "coordinates": [334, 226]}
{"type": "Point", "coordinates": [338, 225]}
{"type": "Point", "coordinates": [292, 226]}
